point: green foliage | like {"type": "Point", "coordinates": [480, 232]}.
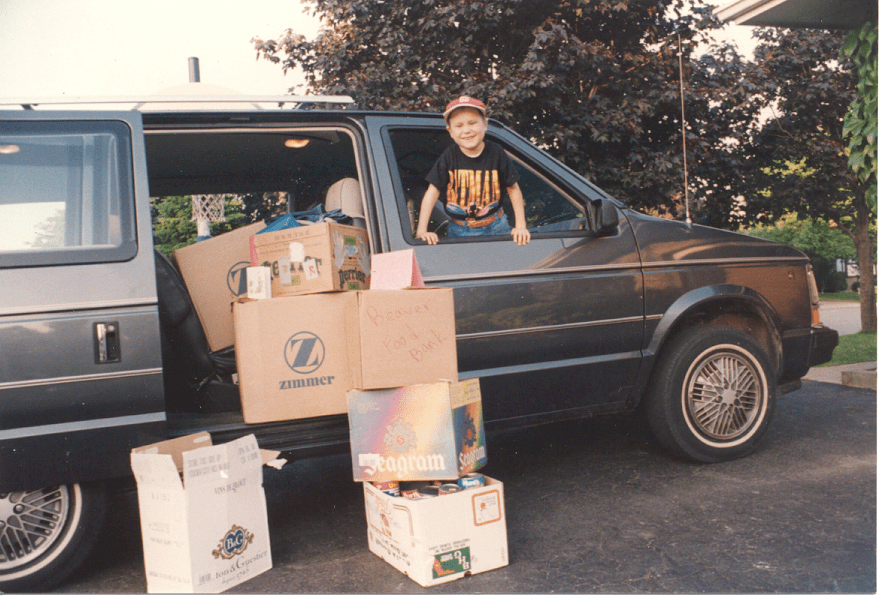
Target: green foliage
{"type": "Point", "coordinates": [596, 82]}
{"type": "Point", "coordinates": [822, 243]}
{"type": "Point", "coordinates": [860, 123]}
{"type": "Point", "coordinates": [172, 228]}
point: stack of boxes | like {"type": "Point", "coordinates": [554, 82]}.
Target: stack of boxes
{"type": "Point", "coordinates": [305, 347]}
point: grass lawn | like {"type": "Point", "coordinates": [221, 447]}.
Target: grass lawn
{"type": "Point", "coordinates": [840, 297]}
{"type": "Point", "coordinates": [861, 347]}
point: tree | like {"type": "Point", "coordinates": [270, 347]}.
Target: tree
{"type": "Point", "coordinates": [797, 161]}
{"type": "Point", "coordinates": [594, 82]}
{"type": "Point", "coordinates": [821, 242]}
{"type": "Point", "coordinates": [173, 227]}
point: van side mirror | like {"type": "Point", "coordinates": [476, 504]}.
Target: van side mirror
{"type": "Point", "coordinates": [605, 217]}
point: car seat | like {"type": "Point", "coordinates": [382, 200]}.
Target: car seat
{"type": "Point", "coordinates": [345, 195]}
{"type": "Point", "coordinates": [196, 379]}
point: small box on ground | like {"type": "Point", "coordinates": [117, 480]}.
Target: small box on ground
{"type": "Point", "coordinates": [420, 432]}
{"type": "Point", "coordinates": [203, 513]}
{"type": "Point", "coordinates": [297, 356]}
{"type": "Point", "coordinates": [214, 273]}
{"type": "Point", "coordinates": [439, 539]}
{"type": "Point", "coordinates": [320, 257]}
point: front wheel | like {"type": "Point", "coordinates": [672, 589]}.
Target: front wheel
{"type": "Point", "coordinates": [46, 534]}
{"type": "Point", "coordinates": [712, 395]}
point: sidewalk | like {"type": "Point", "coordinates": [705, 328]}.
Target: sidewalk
{"type": "Point", "coordinates": [862, 375]}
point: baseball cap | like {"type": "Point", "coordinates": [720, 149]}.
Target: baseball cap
{"type": "Point", "coordinates": [464, 102]}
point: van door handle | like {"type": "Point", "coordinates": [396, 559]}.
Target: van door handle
{"type": "Point", "coordinates": [107, 347]}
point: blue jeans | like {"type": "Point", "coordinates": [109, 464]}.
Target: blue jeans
{"type": "Point", "coordinates": [499, 227]}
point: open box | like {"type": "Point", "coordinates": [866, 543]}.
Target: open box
{"type": "Point", "coordinates": [203, 513]}
{"type": "Point", "coordinates": [439, 539]}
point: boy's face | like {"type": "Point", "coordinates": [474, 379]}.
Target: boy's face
{"type": "Point", "coordinates": [467, 127]}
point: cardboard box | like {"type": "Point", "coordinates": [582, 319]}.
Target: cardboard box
{"type": "Point", "coordinates": [407, 337]}
{"type": "Point", "coordinates": [314, 258]}
{"type": "Point", "coordinates": [421, 432]}
{"type": "Point", "coordinates": [439, 539]}
{"type": "Point", "coordinates": [297, 356]}
{"type": "Point", "coordinates": [214, 273]}
{"type": "Point", "coordinates": [207, 531]}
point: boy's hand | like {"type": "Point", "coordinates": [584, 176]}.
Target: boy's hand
{"type": "Point", "coordinates": [521, 236]}
{"type": "Point", "coordinates": [429, 237]}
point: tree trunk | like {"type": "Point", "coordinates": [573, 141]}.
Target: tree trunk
{"type": "Point", "coordinates": [867, 279]}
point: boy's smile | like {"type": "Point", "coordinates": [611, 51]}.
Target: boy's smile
{"type": "Point", "coordinates": [467, 127]}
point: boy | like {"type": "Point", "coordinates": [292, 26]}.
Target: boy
{"type": "Point", "coordinates": [473, 171]}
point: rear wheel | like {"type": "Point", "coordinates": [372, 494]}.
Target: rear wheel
{"type": "Point", "coordinates": [46, 534]}
{"type": "Point", "coordinates": [713, 394]}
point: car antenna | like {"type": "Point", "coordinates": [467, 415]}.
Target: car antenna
{"type": "Point", "coordinates": [687, 209]}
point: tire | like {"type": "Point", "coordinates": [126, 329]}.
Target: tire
{"type": "Point", "coordinates": [712, 394]}
{"type": "Point", "coordinates": [46, 534]}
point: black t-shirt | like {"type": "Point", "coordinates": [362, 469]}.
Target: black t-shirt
{"type": "Point", "coordinates": [473, 186]}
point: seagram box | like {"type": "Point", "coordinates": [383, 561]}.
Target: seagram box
{"type": "Point", "coordinates": [203, 513]}
{"type": "Point", "coordinates": [314, 258]}
{"type": "Point", "coordinates": [439, 539]}
{"type": "Point", "coordinates": [421, 432]}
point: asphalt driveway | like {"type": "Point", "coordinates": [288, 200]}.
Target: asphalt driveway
{"type": "Point", "coordinates": [594, 507]}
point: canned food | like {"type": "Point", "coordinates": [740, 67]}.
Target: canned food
{"type": "Point", "coordinates": [429, 491]}
{"type": "Point", "coordinates": [391, 487]}
{"type": "Point", "coordinates": [448, 489]}
{"type": "Point", "coordinates": [472, 480]}
{"type": "Point", "coordinates": [410, 490]}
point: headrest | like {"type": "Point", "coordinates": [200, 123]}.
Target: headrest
{"type": "Point", "coordinates": [345, 195]}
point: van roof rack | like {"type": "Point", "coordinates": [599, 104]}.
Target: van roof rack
{"type": "Point", "coordinates": [301, 101]}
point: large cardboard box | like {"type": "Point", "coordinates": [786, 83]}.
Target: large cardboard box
{"type": "Point", "coordinates": [207, 531]}
{"type": "Point", "coordinates": [314, 258]}
{"type": "Point", "coordinates": [297, 356]}
{"type": "Point", "coordinates": [421, 432]}
{"type": "Point", "coordinates": [407, 337]}
{"type": "Point", "coordinates": [214, 273]}
{"type": "Point", "coordinates": [439, 539]}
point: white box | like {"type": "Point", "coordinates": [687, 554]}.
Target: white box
{"type": "Point", "coordinates": [439, 539]}
{"type": "Point", "coordinates": [209, 531]}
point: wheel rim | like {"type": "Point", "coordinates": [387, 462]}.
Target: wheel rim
{"type": "Point", "coordinates": [725, 396]}
{"type": "Point", "coordinates": [30, 524]}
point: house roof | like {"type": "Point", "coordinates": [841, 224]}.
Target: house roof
{"type": "Point", "coordinates": [799, 14]}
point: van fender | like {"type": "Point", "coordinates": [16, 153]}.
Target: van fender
{"type": "Point", "coordinates": [696, 301]}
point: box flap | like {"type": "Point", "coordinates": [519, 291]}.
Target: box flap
{"type": "Point", "coordinates": [155, 469]}
{"type": "Point", "coordinates": [395, 270]}
{"type": "Point", "coordinates": [176, 447]}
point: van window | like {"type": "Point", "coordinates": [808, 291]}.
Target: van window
{"type": "Point", "coordinates": [66, 193]}
{"type": "Point", "coordinates": [548, 209]}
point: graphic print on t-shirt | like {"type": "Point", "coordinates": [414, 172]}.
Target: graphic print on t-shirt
{"type": "Point", "coordinates": [475, 192]}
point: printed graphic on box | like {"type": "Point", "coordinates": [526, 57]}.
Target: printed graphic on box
{"type": "Point", "coordinates": [420, 432]}
{"type": "Point", "coordinates": [314, 258]}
